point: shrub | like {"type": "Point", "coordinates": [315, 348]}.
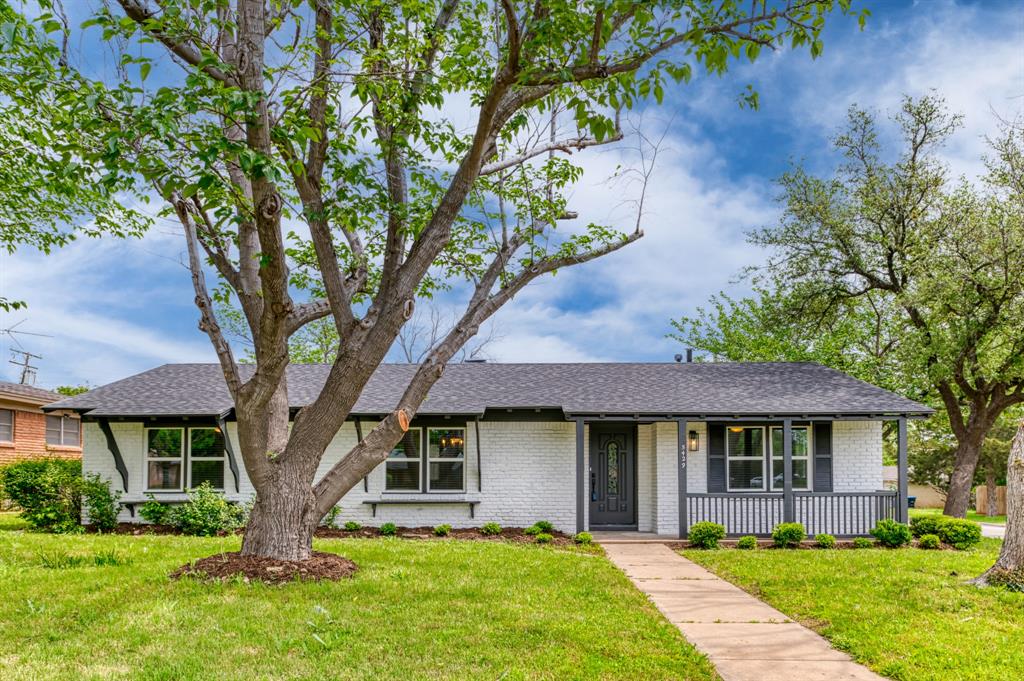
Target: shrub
{"type": "Point", "coordinates": [100, 502]}
{"type": "Point", "coordinates": [583, 538]}
{"type": "Point", "coordinates": [491, 528]}
{"type": "Point", "coordinates": [353, 525]}
{"type": "Point", "coordinates": [925, 524]}
{"type": "Point", "coordinates": [330, 519]}
{"type": "Point", "coordinates": [442, 530]}
{"type": "Point", "coordinates": [544, 538]}
{"type": "Point", "coordinates": [825, 541]}
{"type": "Point", "coordinates": [533, 530]}
{"type": "Point", "coordinates": [890, 533]}
{"type": "Point", "coordinates": [788, 535]}
{"type": "Point", "coordinates": [929, 541]}
{"type": "Point", "coordinates": [388, 530]}
{"type": "Point", "coordinates": [863, 543]}
{"type": "Point", "coordinates": [747, 543]}
{"type": "Point", "coordinates": [48, 491]}
{"type": "Point", "coordinates": [959, 533]}
{"type": "Point", "coordinates": [706, 535]}
{"type": "Point", "coordinates": [206, 513]}
{"type": "Point", "coordinates": [155, 512]}
{"type": "Point", "coordinates": [544, 526]}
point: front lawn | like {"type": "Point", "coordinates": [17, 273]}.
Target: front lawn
{"type": "Point", "coordinates": [971, 515]}
{"type": "Point", "coordinates": [905, 613]}
{"type": "Point", "coordinates": [104, 608]}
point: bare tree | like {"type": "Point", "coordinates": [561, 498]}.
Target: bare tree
{"type": "Point", "coordinates": [419, 336]}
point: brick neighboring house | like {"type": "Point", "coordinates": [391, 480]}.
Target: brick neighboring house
{"type": "Point", "coordinates": [26, 432]}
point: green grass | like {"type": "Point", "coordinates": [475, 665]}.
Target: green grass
{"type": "Point", "coordinates": [905, 613]}
{"type": "Point", "coordinates": [93, 607]}
{"type": "Point", "coordinates": [971, 515]}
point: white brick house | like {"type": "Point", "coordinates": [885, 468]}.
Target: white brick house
{"type": "Point", "coordinates": [585, 446]}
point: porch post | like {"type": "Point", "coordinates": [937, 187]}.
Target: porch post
{"type": "Point", "coordinates": [788, 512]}
{"type": "Point", "coordinates": [580, 476]}
{"type": "Point", "coordinates": [901, 471]}
{"type": "Point", "coordinates": [681, 445]}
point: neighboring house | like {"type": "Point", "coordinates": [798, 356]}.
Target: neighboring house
{"type": "Point", "coordinates": [26, 432]}
{"type": "Point", "coordinates": [925, 496]}
{"type": "Point", "coordinates": [586, 446]}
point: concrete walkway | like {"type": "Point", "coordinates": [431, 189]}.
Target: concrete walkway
{"type": "Point", "coordinates": [993, 530]}
{"type": "Point", "coordinates": [745, 639]}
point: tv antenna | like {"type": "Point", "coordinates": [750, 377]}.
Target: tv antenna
{"type": "Point", "coordinates": [28, 372]}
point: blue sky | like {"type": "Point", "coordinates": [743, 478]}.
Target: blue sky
{"type": "Point", "coordinates": [114, 308]}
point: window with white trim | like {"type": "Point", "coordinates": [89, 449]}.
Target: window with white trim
{"type": "Point", "coordinates": [801, 458]}
{"type": "Point", "coordinates": [206, 457]}
{"type": "Point", "coordinates": [63, 431]}
{"type": "Point", "coordinates": [745, 457]}
{"type": "Point", "coordinates": [6, 425]}
{"type": "Point", "coordinates": [446, 457]}
{"type": "Point", "coordinates": [165, 458]}
{"type": "Point", "coordinates": [402, 469]}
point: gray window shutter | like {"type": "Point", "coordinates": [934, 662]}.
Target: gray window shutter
{"type": "Point", "coordinates": [716, 457]}
{"type": "Point", "coordinates": [823, 457]}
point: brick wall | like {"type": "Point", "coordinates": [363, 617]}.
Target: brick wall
{"type": "Point", "coordinates": [30, 439]}
{"type": "Point", "coordinates": [857, 456]}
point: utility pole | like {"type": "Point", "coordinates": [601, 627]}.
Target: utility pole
{"type": "Point", "coordinates": [28, 372]}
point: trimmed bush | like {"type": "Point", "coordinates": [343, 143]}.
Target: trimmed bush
{"type": "Point", "coordinates": [788, 535]}
{"type": "Point", "coordinates": [544, 526]}
{"type": "Point", "coordinates": [155, 512]}
{"type": "Point", "coordinates": [747, 543]}
{"type": "Point", "coordinates": [825, 541]}
{"type": "Point", "coordinates": [583, 538]}
{"type": "Point", "coordinates": [959, 533]}
{"type": "Point", "coordinates": [353, 526]}
{"type": "Point", "coordinates": [929, 541]}
{"type": "Point", "coordinates": [442, 530]}
{"type": "Point", "coordinates": [890, 533]}
{"type": "Point", "coordinates": [48, 491]}
{"type": "Point", "coordinates": [863, 543]}
{"type": "Point", "coordinates": [388, 530]}
{"type": "Point", "coordinates": [490, 529]}
{"type": "Point", "coordinates": [706, 535]}
{"type": "Point", "coordinates": [100, 502]}
{"type": "Point", "coordinates": [544, 538]}
{"type": "Point", "coordinates": [206, 513]}
{"type": "Point", "coordinates": [532, 530]}
{"type": "Point", "coordinates": [925, 524]}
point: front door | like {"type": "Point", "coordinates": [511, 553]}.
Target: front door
{"type": "Point", "coordinates": [612, 475]}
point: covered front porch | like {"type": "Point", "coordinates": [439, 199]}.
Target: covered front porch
{"type": "Point", "coordinates": [823, 472]}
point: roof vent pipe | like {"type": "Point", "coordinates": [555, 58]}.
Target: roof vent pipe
{"type": "Point", "coordinates": [474, 360]}
{"type": "Point", "coordinates": [689, 355]}
{"type": "Point", "coordinates": [678, 357]}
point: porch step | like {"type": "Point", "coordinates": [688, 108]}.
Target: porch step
{"type": "Point", "coordinates": [611, 537]}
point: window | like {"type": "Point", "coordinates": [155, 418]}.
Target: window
{"type": "Point", "coordinates": [402, 469]}
{"type": "Point", "coordinates": [801, 458]}
{"type": "Point", "coordinates": [63, 431]}
{"type": "Point", "coordinates": [206, 457]}
{"type": "Point", "coordinates": [6, 425]}
{"type": "Point", "coordinates": [164, 458]}
{"type": "Point", "coordinates": [446, 457]}
{"type": "Point", "coordinates": [745, 453]}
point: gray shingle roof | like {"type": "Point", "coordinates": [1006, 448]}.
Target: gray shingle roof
{"type": "Point", "coordinates": [28, 392]}
{"type": "Point", "coordinates": [694, 389]}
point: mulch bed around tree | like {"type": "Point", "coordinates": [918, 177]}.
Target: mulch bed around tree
{"type": "Point", "coordinates": [226, 566]}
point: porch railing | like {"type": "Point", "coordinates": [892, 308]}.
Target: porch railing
{"type": "Point", "coordinates": [838, 513]}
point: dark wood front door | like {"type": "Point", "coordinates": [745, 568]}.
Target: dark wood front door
{"type": "Point", "coordinates": [612, 476]}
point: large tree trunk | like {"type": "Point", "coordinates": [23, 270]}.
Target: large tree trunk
{"type": "Point", "coordinates": [961, 482]}
{"type": "Point", "coordinates": [282, 523]}
{"type": "Point", "coordinates": [1011, 557]}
